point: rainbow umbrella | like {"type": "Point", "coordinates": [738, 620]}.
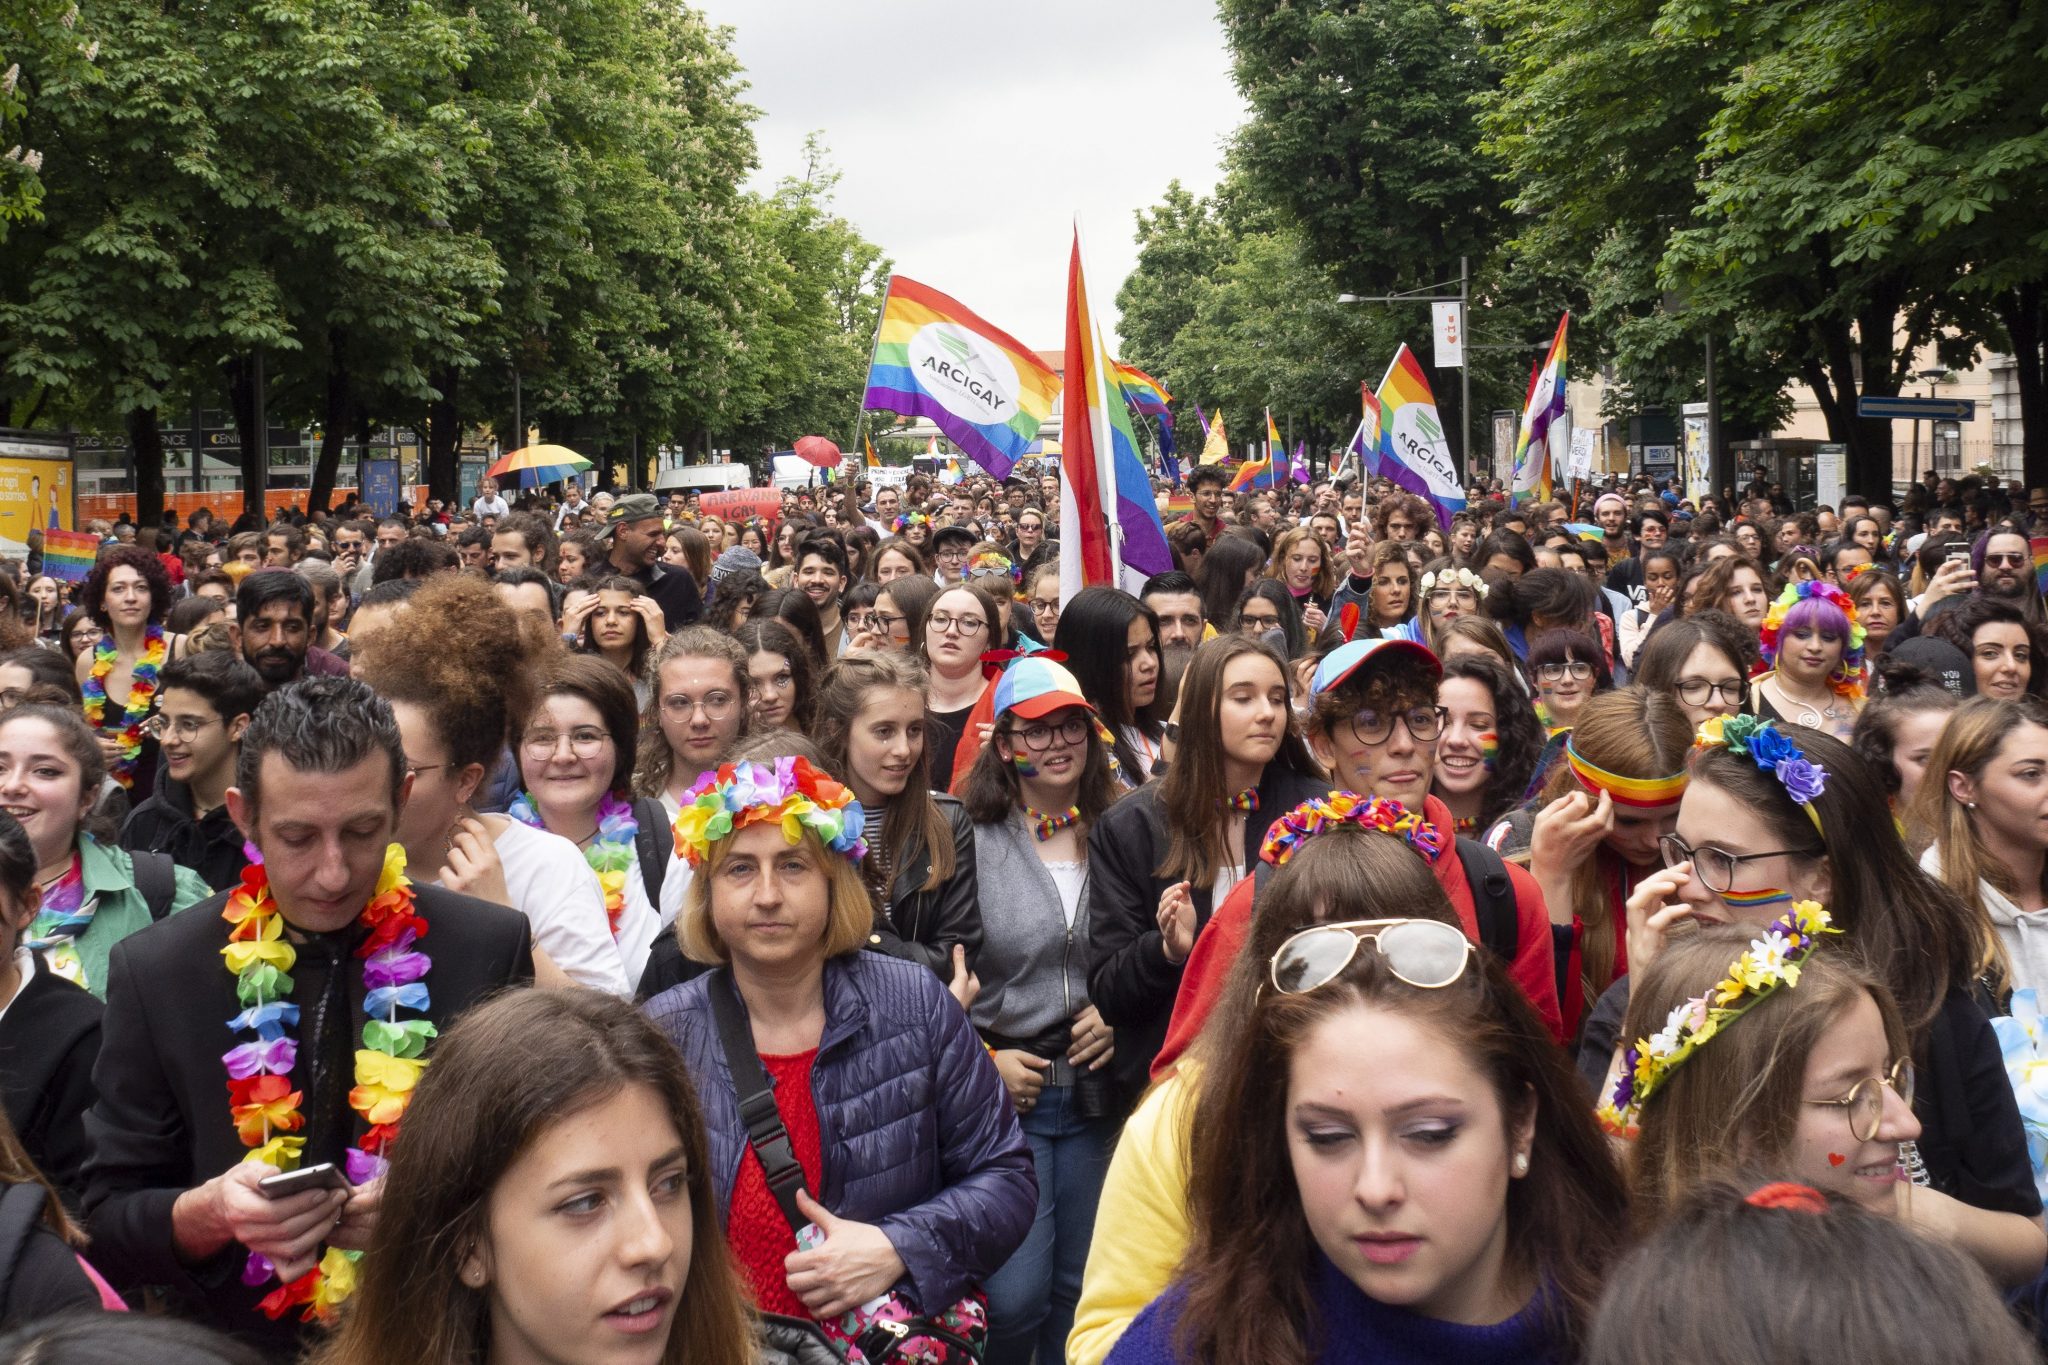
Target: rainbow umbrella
{"type": "Point", "coordinates": [536, 465]}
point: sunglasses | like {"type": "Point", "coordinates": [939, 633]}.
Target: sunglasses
{"type": "Point", "coordinates": [1425, 953]}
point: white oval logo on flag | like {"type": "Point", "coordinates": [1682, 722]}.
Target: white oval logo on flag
{"type": "Point", "coordinates": [971, 379]}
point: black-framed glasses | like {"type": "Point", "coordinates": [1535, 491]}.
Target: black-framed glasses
{"type": "Point", "coordinates": [1716, 867]}
{"type": "Point", "coordinates": [1864, 1104]}
{"type": "Point", "coordinates": [1423, 723]}
{"type": "Point", "coordinates": [1038, 738]}
{"type": "Point", "coordinates": [889, 621]}
{"type": "Point", "coordinates": [1699, 691]}
{"type": "Point", "coordinates": [1578, 670]}
{"type": "Point", "coordinates": [1425, 953]}
{"type": "Point", "coordinates": [965, 626]}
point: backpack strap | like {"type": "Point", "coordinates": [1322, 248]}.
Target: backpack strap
{"type": "Point", "coordinates": [650, 847]}
{"type": "Point", "coordinates": [156, 878]}
{"type": "Point", "coordinates": [1493, 899]}
{"type": "Point", "coordinates": [756, 1096]}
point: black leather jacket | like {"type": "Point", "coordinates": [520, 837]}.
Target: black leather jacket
{"type": "Point", "coordinates": [922, 926]}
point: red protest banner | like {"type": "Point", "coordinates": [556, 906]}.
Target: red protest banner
{"type": "Point", "coordinates": [730, 504]}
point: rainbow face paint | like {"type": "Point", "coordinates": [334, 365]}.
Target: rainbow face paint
{"type": "Point", "coordinates": [1022, 760]}
{"type": "Point", "coordinates": [1763, 895]}
{"type": "Point", "coordinates": [1489, 749]}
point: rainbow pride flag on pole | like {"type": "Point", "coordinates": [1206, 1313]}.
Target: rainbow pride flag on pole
{"type": "Point", "coordinates": [1106, 497]}
{"type": "Point", "coordinates": [1142, 391]}
{"type": "Point", "coordinates": [1411, 449]}
{"type": "Point", "coordinates": [1252, 476]}
{"type": "Point", "coordinates": [1546, 424]}
{"type": "Point", "coordinates": [68, 556]}
{"type": "Point", "coordinates": [934, 357]}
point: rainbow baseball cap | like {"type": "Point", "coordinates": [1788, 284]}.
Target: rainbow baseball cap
{"type": "Point", "coordinates": [1034, 688]}
{"type": "Point", "coordinates": [1346, 659]}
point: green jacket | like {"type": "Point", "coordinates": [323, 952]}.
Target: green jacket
{"type": "Point", "coordinates": [109, 876]}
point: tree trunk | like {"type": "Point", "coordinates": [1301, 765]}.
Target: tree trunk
{"type": "Point", "coordinates": [334, 430]}
{"type": "Point", "coordinates": [146, 439]}
{"type": "Point", "coordinates": [2021, 310]}
{"type": "Point", "coordinates": [444, 437]}
{"type": "Point", "coordinates": [241, 377]}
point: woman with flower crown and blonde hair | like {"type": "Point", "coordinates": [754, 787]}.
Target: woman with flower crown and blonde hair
{"type": "Point", "coordinates": [1813, 648]}
{"type": "Point", "coordinates": [1771, 818]}
{"type": "Point", "coordinates": [899, 1167]}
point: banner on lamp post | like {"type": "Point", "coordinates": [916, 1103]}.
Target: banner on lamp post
{"type": "Point", "coordinates": [1448, 321]}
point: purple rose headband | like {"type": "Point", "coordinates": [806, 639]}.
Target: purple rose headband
{"type": "Point", "coordinates": [1765, 745]}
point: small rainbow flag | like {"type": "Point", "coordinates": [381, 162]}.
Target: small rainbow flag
{"type": "Point", "coordinates": [1180, 505]}
{"type": "Point", "coordinates": [1145, 393]}
{"type": "Point", "coordinates": [68, 556]}
{"type": "Point", "coordinates": [1252, 475]}
{"type": "Point", "coordinates": [2039, 545]}
{"type": "Point", "coordinates": [1586, 530]}
{"type": "Point", "coordinates": [934, 357]}
{"type": "Point", "coordinates": [1412, 449]}
{"type": "Point", "coordinates": [869, 446]}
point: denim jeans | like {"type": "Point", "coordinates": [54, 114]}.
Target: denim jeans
{"type": "Point", "coordinates": [1031, 1299]}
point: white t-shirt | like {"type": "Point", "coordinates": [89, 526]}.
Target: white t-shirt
{"type": "Point", "coordinates": [490, 507]}
{"type": "Point", "coordinates": [559, 895]}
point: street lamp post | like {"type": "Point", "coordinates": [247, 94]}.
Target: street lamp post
{"type": "Point", "coordinates": [1461, 298]}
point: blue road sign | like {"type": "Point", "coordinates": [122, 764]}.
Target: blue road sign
{"type": "Point", "coordinates": [1917, 409]}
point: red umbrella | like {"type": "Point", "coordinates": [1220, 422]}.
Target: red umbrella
{"type": "Point", "coordinates": [818, 451]}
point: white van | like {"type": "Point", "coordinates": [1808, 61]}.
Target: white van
{"type": "Point", "coordinates": [702, 478]}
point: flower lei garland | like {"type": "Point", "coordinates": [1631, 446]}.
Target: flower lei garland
{"type": "Point", "coordinates": [1460, 577]}
{"type": "Point", "coordinates": [1770, 962]}
{"type": "Point", "coordinates": [1765, 745]}
{"type": "Point", "coordinates": [1846, 678]}
{"type": "Point", "coordinates": [263, 1104]}
{"type": "Point", "coordinates": [1287, 834]}
{"type": "Point", "coordinates": [141, 692]}
{"type": "Point", "coordinates": [792, 794]}
{"type": "Point", "coordinates": [610, 853]}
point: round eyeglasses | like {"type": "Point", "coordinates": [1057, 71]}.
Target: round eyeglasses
{"type": "Point", "coordinates": [1864, 1103]}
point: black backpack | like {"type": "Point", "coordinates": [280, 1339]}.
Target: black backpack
{"type": "Point", "coordinates": [156, 879]}
{"type": "Point", "coordinates": [652, 844]}
{"type": "Point", "coordinates": [1493, 897]}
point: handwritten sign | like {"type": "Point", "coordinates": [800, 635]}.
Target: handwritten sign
{"type": "Point", "coordinates": [739, 504]}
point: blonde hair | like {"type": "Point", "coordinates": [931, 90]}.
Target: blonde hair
{"type": "Point", "coordinates": [849, 917]}
{"type": "Point", "coordinates": [1326, 571]}
{"type": "Point", "coordinates": [1969, 741]}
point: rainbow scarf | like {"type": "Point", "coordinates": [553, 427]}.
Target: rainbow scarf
{"type": "Point", "coordinates": [141, 693]}
{"type": "Point", "coordinates": [65, 915]}
{"type": "Point", "coordinates": [262, 1102]}
{"type": "Point", "coordinates": [610, 854]}
{"type": "Point", "coordinates": [1640, 793]}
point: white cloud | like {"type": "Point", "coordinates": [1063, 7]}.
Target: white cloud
{"type": "Point", "coordinates": [971, 135]}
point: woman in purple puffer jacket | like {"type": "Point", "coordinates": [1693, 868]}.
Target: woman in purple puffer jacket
{"type": "Point", "coordinates": [914, 1168]}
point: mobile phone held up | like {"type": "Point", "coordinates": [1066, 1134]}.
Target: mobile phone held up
{"type": "Point", "coordinates": [325, 1176]}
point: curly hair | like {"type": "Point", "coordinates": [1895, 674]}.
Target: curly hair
{"type": "Point", "coordinates": [463, 656]}
{"type": "Point", "coordinates": [93, 594]}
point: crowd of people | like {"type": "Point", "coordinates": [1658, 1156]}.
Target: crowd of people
{"type": "Point", "coordinates": [584, 929]}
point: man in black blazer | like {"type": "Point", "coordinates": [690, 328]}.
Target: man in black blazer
{"type": "Point", "coordinates": [169, 1199]}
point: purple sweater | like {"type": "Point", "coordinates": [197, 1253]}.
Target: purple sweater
{"type": "Point", "coordinates": [1357, 1330]}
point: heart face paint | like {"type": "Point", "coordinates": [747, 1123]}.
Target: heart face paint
{"type": "Point", "coordinates": [1836, 1158]}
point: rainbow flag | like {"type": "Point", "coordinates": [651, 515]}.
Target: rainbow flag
{"type": "Point", "coordinates": [1546, 428]}
{"type": "Point", "coordinates": [2039, 545]}
{"type": "Point", "coordinates": [1110, 532]}
{"type": "Point", "coordinates": [1142, 391]}
{"type": "Point", "coordinates": [1252, 476]}
{"type": "Point", "coordinates": [1367, 437]}
{"type": "Point", "coordinates": [1586, 530]}
{"type": "Point", "coordinates": [1275, 450]}
{"type": "Point", "coordinates": [934, 357]}
{"type": "Point", "coordinates": [68, 556]}
{"type": "Point", "coordinates": [1180, 505]}
{"type": "Point", "coordinates": [1412, 450]}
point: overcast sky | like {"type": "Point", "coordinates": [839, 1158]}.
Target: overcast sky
{"type": "Point", "coordinates": [971, 135]}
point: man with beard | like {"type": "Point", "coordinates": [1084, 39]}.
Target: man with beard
{"type": "Point", "coordinates": [2005, 570]}
{"type": "Point", "coordinates": [634, 533]}
{"type": "Point", "coordinates": [274, 622]}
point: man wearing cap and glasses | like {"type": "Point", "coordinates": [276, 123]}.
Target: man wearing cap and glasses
{"type": "Point", "coordinates": [634, 531]}
{"type": "Point", "coordinates": [1374, 724]}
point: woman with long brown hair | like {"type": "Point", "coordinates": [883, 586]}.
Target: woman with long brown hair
{"type": "Point", "coordinates": [1163, 859]}
{"type": "Point", "coordinates": [1980, 807]}
{"type": "Point", "coordinates": [1391, 1150]}
{"type": "Point", "coordinates": [552, 1200]}
{"type": "Point", "coordinates": [1735, 584]}
{"type": "Point", "coordinates": [873, 728]}
{"type": "Point", "coordinates": [611, 616]}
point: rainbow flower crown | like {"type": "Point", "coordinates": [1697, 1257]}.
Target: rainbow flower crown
{"type": "Point", "coordinates": [905, 522]}
{"type": "Point", "coordinates": [792, 794]}
{"type": "Point", "coordinates": [1765, 745]}
{"type": "Point", "coordinates": [990, 562]}
{"type": "Point", "coordinates": [1287, 834]}
{"type": "Point", "coordinates": [1770, 962]}
{"type": "Point", "coordinates": [1846, 679]}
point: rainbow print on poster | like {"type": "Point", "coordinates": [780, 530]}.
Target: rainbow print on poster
{"type": "Point", "coordinates": [936, 358]}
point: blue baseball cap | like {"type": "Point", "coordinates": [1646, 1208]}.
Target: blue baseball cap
{"type": "Point", "coordinates": [1346, 659]}
{"type": "Point", "coordinates": [1035, 688]}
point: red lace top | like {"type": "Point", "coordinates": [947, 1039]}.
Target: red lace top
{"type": "Point", "coordinates": [755, 1227]}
